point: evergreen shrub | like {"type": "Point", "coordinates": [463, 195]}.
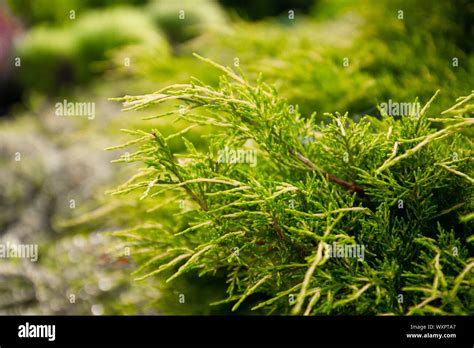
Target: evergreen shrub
{"type": "Point", "coordinates": [271, 203]}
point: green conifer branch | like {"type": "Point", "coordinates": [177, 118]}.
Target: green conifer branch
{"type": "Point", "coordinates": [269, 229]}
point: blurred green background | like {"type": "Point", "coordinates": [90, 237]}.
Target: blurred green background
{"type": "Point", "coordinates": [324, 55]}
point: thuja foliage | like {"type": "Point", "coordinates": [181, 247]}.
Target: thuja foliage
{"type": "Point", "coordinates": [358, 49]}
{"type": "Point", "coordinates": [401, 188]}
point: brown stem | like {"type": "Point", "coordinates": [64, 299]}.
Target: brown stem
{"type": "Point", "coordinates": [350, 186]}
{"type": "Point", "coordinates": [278, 229]}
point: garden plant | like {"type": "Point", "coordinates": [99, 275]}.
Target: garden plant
{"type": "Point", "coordinates": [305, 217]}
